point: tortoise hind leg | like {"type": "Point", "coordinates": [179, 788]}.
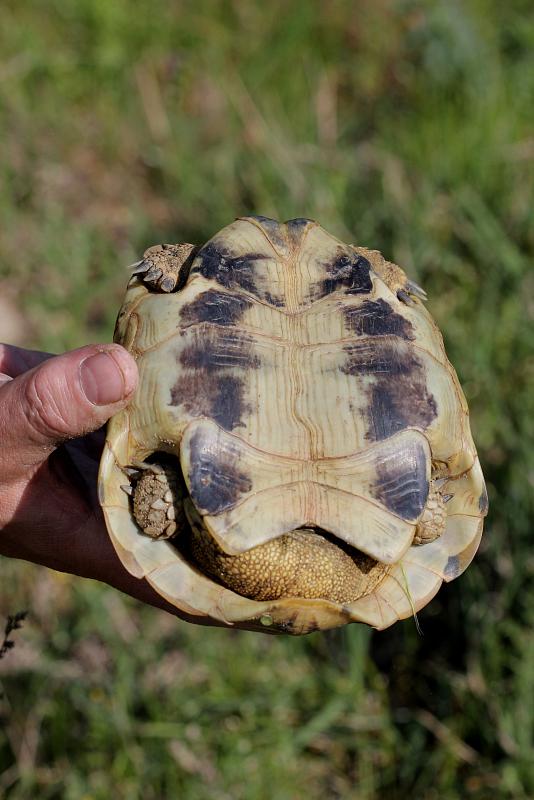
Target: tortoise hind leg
{"type": "Point", "coordinates": [432, 523]}
{"type": "Point", "coordinates": [157, 497]}
{"type": "Point", "coordinates": [165, 267]}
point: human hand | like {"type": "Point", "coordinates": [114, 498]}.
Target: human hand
{"type": "Point", "coordinates": [52, 409]}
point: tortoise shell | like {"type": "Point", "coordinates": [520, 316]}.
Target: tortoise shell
{"type": "Point", "coordinates": [301, 393]}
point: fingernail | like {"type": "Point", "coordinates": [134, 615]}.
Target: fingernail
{"type": "Point", "coordinates": [102, 379]}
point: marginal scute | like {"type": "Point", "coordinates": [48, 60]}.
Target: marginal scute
{"type": "Point", "coordinates": [483, 502]}
{"type": "Point", "coordinates": [301, 384]}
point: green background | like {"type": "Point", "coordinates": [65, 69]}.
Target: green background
{"type": "Point", "coordinates": [406, 127]}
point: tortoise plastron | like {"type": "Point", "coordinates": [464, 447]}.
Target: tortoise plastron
{"type": "Point", "coordinates": [298, 454]}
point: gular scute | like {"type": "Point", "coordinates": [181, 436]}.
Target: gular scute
{"type": "Point", "coordinates": [273, 230]}
{"type": "Point", "coordinates": [215, 480]}
{"type": "Point", "coordinates": [297, 229]}
{"type": "Point", "coordinates": [266, 222]}
{"type": "Point", "coordinates": [402, 481]}
{"type": "Point", "coordinates": [377, 318]}
{"type": "Point", "coordinates": [220, 308]}
{"type": "Point", "coordinates": [299, 222]}
{"type": "Point", "coordinates": [348, 272]}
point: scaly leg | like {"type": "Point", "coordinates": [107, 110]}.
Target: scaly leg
{"type": "Point", "coordinates": [157, 499]}
{"type": "Point", "coordinates": [432, 523]}
{"type": "Point", "coordinates": [393, 276]}
{"type": "Point", "coordinates": [165, 267]}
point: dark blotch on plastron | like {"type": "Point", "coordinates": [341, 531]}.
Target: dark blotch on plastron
{"type": "Point", "coordinates": [385, 414]}
{"type": "Point", "coordinates": [398, 397]}
{"type": "Point", "coordinates": [377, 318]}
{"type": "Point", "coordinates": [402, 484]}
{"type": "Point", "coordinates": [483, 502]}
{"type": "Point", "coordinates": [298, 223]}
{"type": "Point", "coordinates": [373, 358]}
{"type": "Point", "coordinates": [452, 567]}
{"type": "Point", "coordinates": [218, 351]}
{"type": "Point", "coordinates": [231, 271]}
{"type": "Point", "coordinates": [215, 396]}
{"type": "Point", "coordinates": [277, 302]}
{"type": "Point", "coordinates": [348, 271]}
{"type": "Point", "coordinates": [397, 405]}
{"type": "Point", "coordinates": [234, 271]}
{"type": "Point", "coordinates": [219, 308]}
{"type": "Point", "coordinates": [267, 222]}
{"type": "Point", "coordinates": [216, 482]}
{"type": "Point", "coordinates": [228, 404]}
{"type": "Point", "coordinates": [273, 230]}
{"type": "Point", "coordinates": [203, 389]}
{"type": "Point", "coordinates": [297, 230]}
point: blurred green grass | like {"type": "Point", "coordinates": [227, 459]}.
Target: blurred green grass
{"type": "Point", "coordinates": [399, 125]}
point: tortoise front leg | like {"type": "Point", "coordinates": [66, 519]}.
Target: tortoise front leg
{"type": "Point", "coordinates": [165, 267]}
{"type": "Point", "coordinates": [393, 276]}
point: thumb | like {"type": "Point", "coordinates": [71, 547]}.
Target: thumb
{"type": "Point", "coordinates": [62, 398]}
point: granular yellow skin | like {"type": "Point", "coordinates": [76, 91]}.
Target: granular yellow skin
{"type": "Point", "coordinates": [302, 563]}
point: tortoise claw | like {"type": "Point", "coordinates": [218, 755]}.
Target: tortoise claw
{"type": "Point", "coordinates": [137, 266]}
{"type": "Point", "coordinates": [409, 291]}
{"type": "Point", "coordinates": [168, 284]}
{"type": "Point", "coordinates": [153, 274]}
{"type": "Point", "coordinates": [416, 290]}
{"type": "Point", "coordinates": [165, 266]}
{"type": "Point", "coordinates": [405, 297]}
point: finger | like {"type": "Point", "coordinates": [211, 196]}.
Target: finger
{"type": "Point", "coordinates": [16, 360]}
{"type": "Point", "coordinates": [64, 397]}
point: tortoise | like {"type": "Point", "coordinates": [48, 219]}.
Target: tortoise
{"type": "Point", "coordinates": [298, 454]}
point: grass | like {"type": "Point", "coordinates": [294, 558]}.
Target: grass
{"type": "Point", "coordinates": [403, 126]}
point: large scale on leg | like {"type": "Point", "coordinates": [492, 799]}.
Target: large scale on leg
{"type": "Point", "coordinates": [298, 452]}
